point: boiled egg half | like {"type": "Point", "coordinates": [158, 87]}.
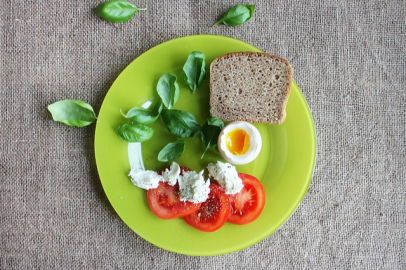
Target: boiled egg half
{"type": "Point", "coordinates": [239, 142]}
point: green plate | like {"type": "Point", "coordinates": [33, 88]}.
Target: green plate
{"type": "Point", "coordinates": [284, 166]}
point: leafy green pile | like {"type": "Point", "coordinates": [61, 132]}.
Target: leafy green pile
{"type": "Point", "coordinates": [179, 123]}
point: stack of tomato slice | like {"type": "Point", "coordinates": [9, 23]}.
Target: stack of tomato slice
{"type": "Point", "coordinates": [241, 208]}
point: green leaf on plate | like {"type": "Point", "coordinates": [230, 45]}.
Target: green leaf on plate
{"type": "Point", "coordinates": [214, 121]}
{"type": "Point", "coordinates": [134, 132]}
{"type": "Point", "coordinates": [172, 151]}
{"type": "Point", "coordinates": [195, 69]}
{"type": "Point", "coordinates": [180, 123]}
{"type": "Point", "coordinates": [210, 133]}
{"type": "Point", "coordinates": [168, 89]}
{"type": "Point", "coordinates": [144, 116]}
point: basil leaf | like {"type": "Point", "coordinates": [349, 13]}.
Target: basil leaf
{"type": "Point", "coordinates": [144, 116]}
{"type": "Point", "coordinates": [172, 151]}
{"type": "Point", "coordinates": [237, 15]}
{"type": "Point", "coordinates": [210, 133]}
{"type": "Point", "coordinates": [116, 11]}
{"type": "Point", "coordinates": [134, 132]}
{"type": "Point", "coordinates": [214, 121]}
{"type": "Point", "coordinates": [168, 89]}
{"type": "Point", "coordinates": [180, 123]}
{"type": "Point", "coordinates": [72, 112]}
{"type": "Point", "coordinates": [195, 69]}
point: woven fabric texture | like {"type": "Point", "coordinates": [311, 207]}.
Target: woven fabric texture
{"type": "Point", "coordinates": [349, 59]}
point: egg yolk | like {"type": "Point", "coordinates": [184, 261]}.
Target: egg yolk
{"type": "Point", "coordinates": [238, 141]}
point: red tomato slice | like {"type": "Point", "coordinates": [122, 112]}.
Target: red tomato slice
{"type": "Point", "coordinates": [247, 205]}
{"type": "Point", "coordinates": [213, 213]}
{"type": "Point", "coordinates": [165, 202]}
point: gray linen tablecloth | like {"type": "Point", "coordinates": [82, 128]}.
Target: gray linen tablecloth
{"type": "Point", "coordinates": [349, 59]}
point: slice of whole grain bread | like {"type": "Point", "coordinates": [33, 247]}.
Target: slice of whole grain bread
{"type": "Point", "coordinates": [250, 86]}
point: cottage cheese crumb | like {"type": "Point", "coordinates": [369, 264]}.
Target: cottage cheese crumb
{"type": "Point", "coordinates": [145, 179]}
{"type": "Point", "coordinates": [226, 175]}
{"type": "Point", "coordinates": [172, 174]}
{"type": "Point", "coordinates": [193, 187]}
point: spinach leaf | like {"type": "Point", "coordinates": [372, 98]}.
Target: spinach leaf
{"type": "Point", "coordinates": [237, 15]}
{"type": "Point", "coordinates": [72, 112]}
{"type": "Point", "coordinates": [180, 123]}
{"type": "Point", "coordinates": [168, 89]}
{"type": "Point", "coordinates": [210, 133]}
{"type": "Point", "coordinates": [144, 116]}
{"type": "Point", "coordinates": [116, 11]}
{"type": "Point", "coordinates": [172, 151]}
{"type": "Point", "coordinates": [134, 132]}
{"type": "Point", "coordinates": [195, 69]}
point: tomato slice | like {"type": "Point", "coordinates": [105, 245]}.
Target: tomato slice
{"type": "Point", "coordinates": [213, 213]}
{"type": "Point", "coordinates": [247, 205]}
{"type": "Point", "coordinates": [165, 202]}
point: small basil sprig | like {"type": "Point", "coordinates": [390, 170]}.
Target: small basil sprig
{"type": "Point", "coordinates": [144, 116]}
{"type": "Point", "coordinates": [214, 121]}
{"type": "Point", "coordinates": [134, 132]}
{"type": "Point", "coordinates": [72, 112]}
{"type": "Point", "coordinates": [195, 69]}
{"type": "Point", "coordinates": [210, 133]}
{"type": "Point", "coordinates": [172, 151]}
{"type": "Point", "coordinates": [237, 15]}
{"type": "Point", "coordinates": [168, 89]}
{"type": "Point", "coordinates": [180, 123]}
{"type": "Point", "coordinates": [116, 11]}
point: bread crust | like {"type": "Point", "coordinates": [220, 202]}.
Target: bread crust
{"type": "Point", "coordinates": [276, 109]}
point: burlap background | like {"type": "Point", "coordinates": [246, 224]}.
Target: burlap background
{"type": "Point", "coordinates": [350, 62]}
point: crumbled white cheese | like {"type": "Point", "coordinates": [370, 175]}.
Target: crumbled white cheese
{"type": "Point", "coordinates": [193, 188]}
{"type": "Point", "coordinates": [172, 174]}
{"type": "Point", "coordinates": [145, 179]}
{"type": "Point", "coordinates": [226, 175]}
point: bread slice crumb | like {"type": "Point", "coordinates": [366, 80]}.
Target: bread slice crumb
{"type": "Point", "coordinates": [250, 86]}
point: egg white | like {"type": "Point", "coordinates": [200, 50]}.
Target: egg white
{"type": "Point", "coordinates": [255, 141]}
